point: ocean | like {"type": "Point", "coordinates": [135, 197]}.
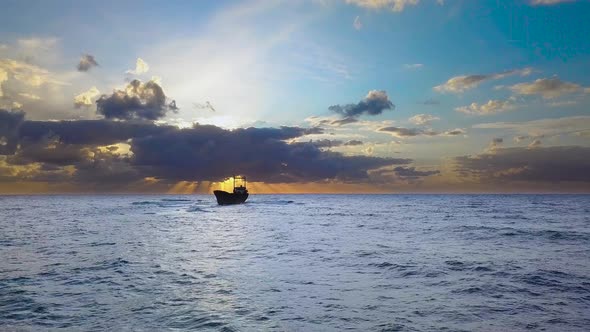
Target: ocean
{"type": "Point", "coordinates": [295, 263]}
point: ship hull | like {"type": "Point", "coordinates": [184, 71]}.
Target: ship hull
{"type": "Point", "coordinates": [225, 198]}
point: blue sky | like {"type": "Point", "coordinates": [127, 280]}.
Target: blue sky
{"type": "Point", "coordinates": [461, 74]}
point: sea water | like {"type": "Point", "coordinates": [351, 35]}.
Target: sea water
{"type": "Point", "coordinates": [295, 263]}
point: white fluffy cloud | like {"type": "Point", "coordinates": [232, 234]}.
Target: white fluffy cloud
{"type": "Point", "coordinates": [86, 98]}
{"type": "Point", "coordinates": [423, 119]}
{"type": "Point", "coordinates": [141, 67]}
{"type": "Point", "coordinates": [491, 107]}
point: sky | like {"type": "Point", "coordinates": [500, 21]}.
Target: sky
{"type": "Point", "coordinates": [304, 96]}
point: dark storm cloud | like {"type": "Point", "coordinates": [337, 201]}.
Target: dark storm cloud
{"type": "Point", "coordinates": [541, 164]}
{"type": "Point", "coordinates": [412, 173]}
{"type": "Point", "coordinates": [203, 152]}
{"type": "Point", "coordinates": [88, 132]}
{"type": "Point", "coordinates": [48, 151]}
{"type": "Point", "coordinates": [211, 153]}
{"type": "Point", "coordinates": [10, 122]}
{"type": "Point", "coordinates": [374, 103]}
{"type": "Point", "coordinates": [261, 134]}
{"type": "Point", "coordinates": [87, 61]}
{"type": "Point", "coordinates": [325, 143]}
{"type": "Point", "coordinates": [106, 169]}
{"type": "Point", "coordinates": [145, 101]}
{"type": "Point", "coordinates": [403, 173]}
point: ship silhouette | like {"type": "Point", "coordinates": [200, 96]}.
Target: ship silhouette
{"type": "Point", "coordinates": [238, 196]}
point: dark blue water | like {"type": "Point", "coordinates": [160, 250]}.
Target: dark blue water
{"type": "Point", "coordinates": [296, 263]}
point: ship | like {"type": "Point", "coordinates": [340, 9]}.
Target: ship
{"type": "Point", "coordinates": [238, 196]}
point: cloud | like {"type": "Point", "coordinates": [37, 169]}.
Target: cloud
{"type": "Point", "coordinates": [206, 106]}
{"type": "Point", "coordinates": [394, 5]}
{"type": "Point", "coordinates": [549, 88]}
{"type": "Point", "coordinates": [357, 24]}
{"type": "Point", "coordinates": [353, 142]}
{"type": "Point", "coordinates": [86, 98]}
{"type": "Point", "coordinates": [423, 119]}
{"type": "Point", "coordinates": [323, 143]}
{"type": "Point", "coordinates": [414, 132]}
{"type": "Point", "coordinates": [542, 127]}
{"type": "Point", "coordinates": [535, 143]}
{"type": "Point", "coordinates": [407, 132]}
{"type": "Point", "coordinates": [491, 107]}
{"type": "Point", "coordinates": [10, 122]}
{"type": "Point", "coordinates": [139, 100]}
{"type": "Point", "coordinates": [211, 153]}
{"type": "Point", "coordinates": [413, 66]}
{"type": "Point", "coordinates": [141, 67]}
{"type": "Point", "coordinates": [548, 2]}
{"type": "Point", "coordinates": [88, 132]}
{"type": "Point", "coordinates": [37, 44]}
{"type": "Point", "coordinates": [3, 78]}
{"type": "Point", "coordinates": [203, 152]}
{"type": "Point", "coordinates": [26, 73]}
{"type": "Point", "coordinates": [374, 103]}
{"type": "Point", "coordinates": [400, 173]}
{"type": "Point", "coordinates": [343, 121]}
{"type": "Point", "coordinates": [541, 164]}
{"type": "Point", "coordinates": [454, 132]}
{"type": "Point", "coordinates": [496, 143]}
{"type": "Point", "coordinates": [29, 96]}
{"type": "Point", "coordinates": [459, 84]}
{"type": "Point", "coordinates": [49, 150]}
{"type": "Point", "coordinates": [411, 172]}
{"type": "Point", "coordinates": [87, 61]}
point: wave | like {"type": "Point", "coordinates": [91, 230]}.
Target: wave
{"type": "Point", "coordinates": [176, 200]}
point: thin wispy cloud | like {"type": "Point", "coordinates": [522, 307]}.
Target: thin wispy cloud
{"type": "Point", "coordinates": [393, 5]}
{"type": "Point", "coordinates": [413, 66]}
{"type": "Point", "coordinates": [460, 84]}
{"type": "Point", "coordinates": [542, 127]}
{"type": "Point", "coordinates": [357, 24]}
{"type": "Point", "coordinates": [549, 2]}
{"type": "Point", "coordinates": [548, 88]}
